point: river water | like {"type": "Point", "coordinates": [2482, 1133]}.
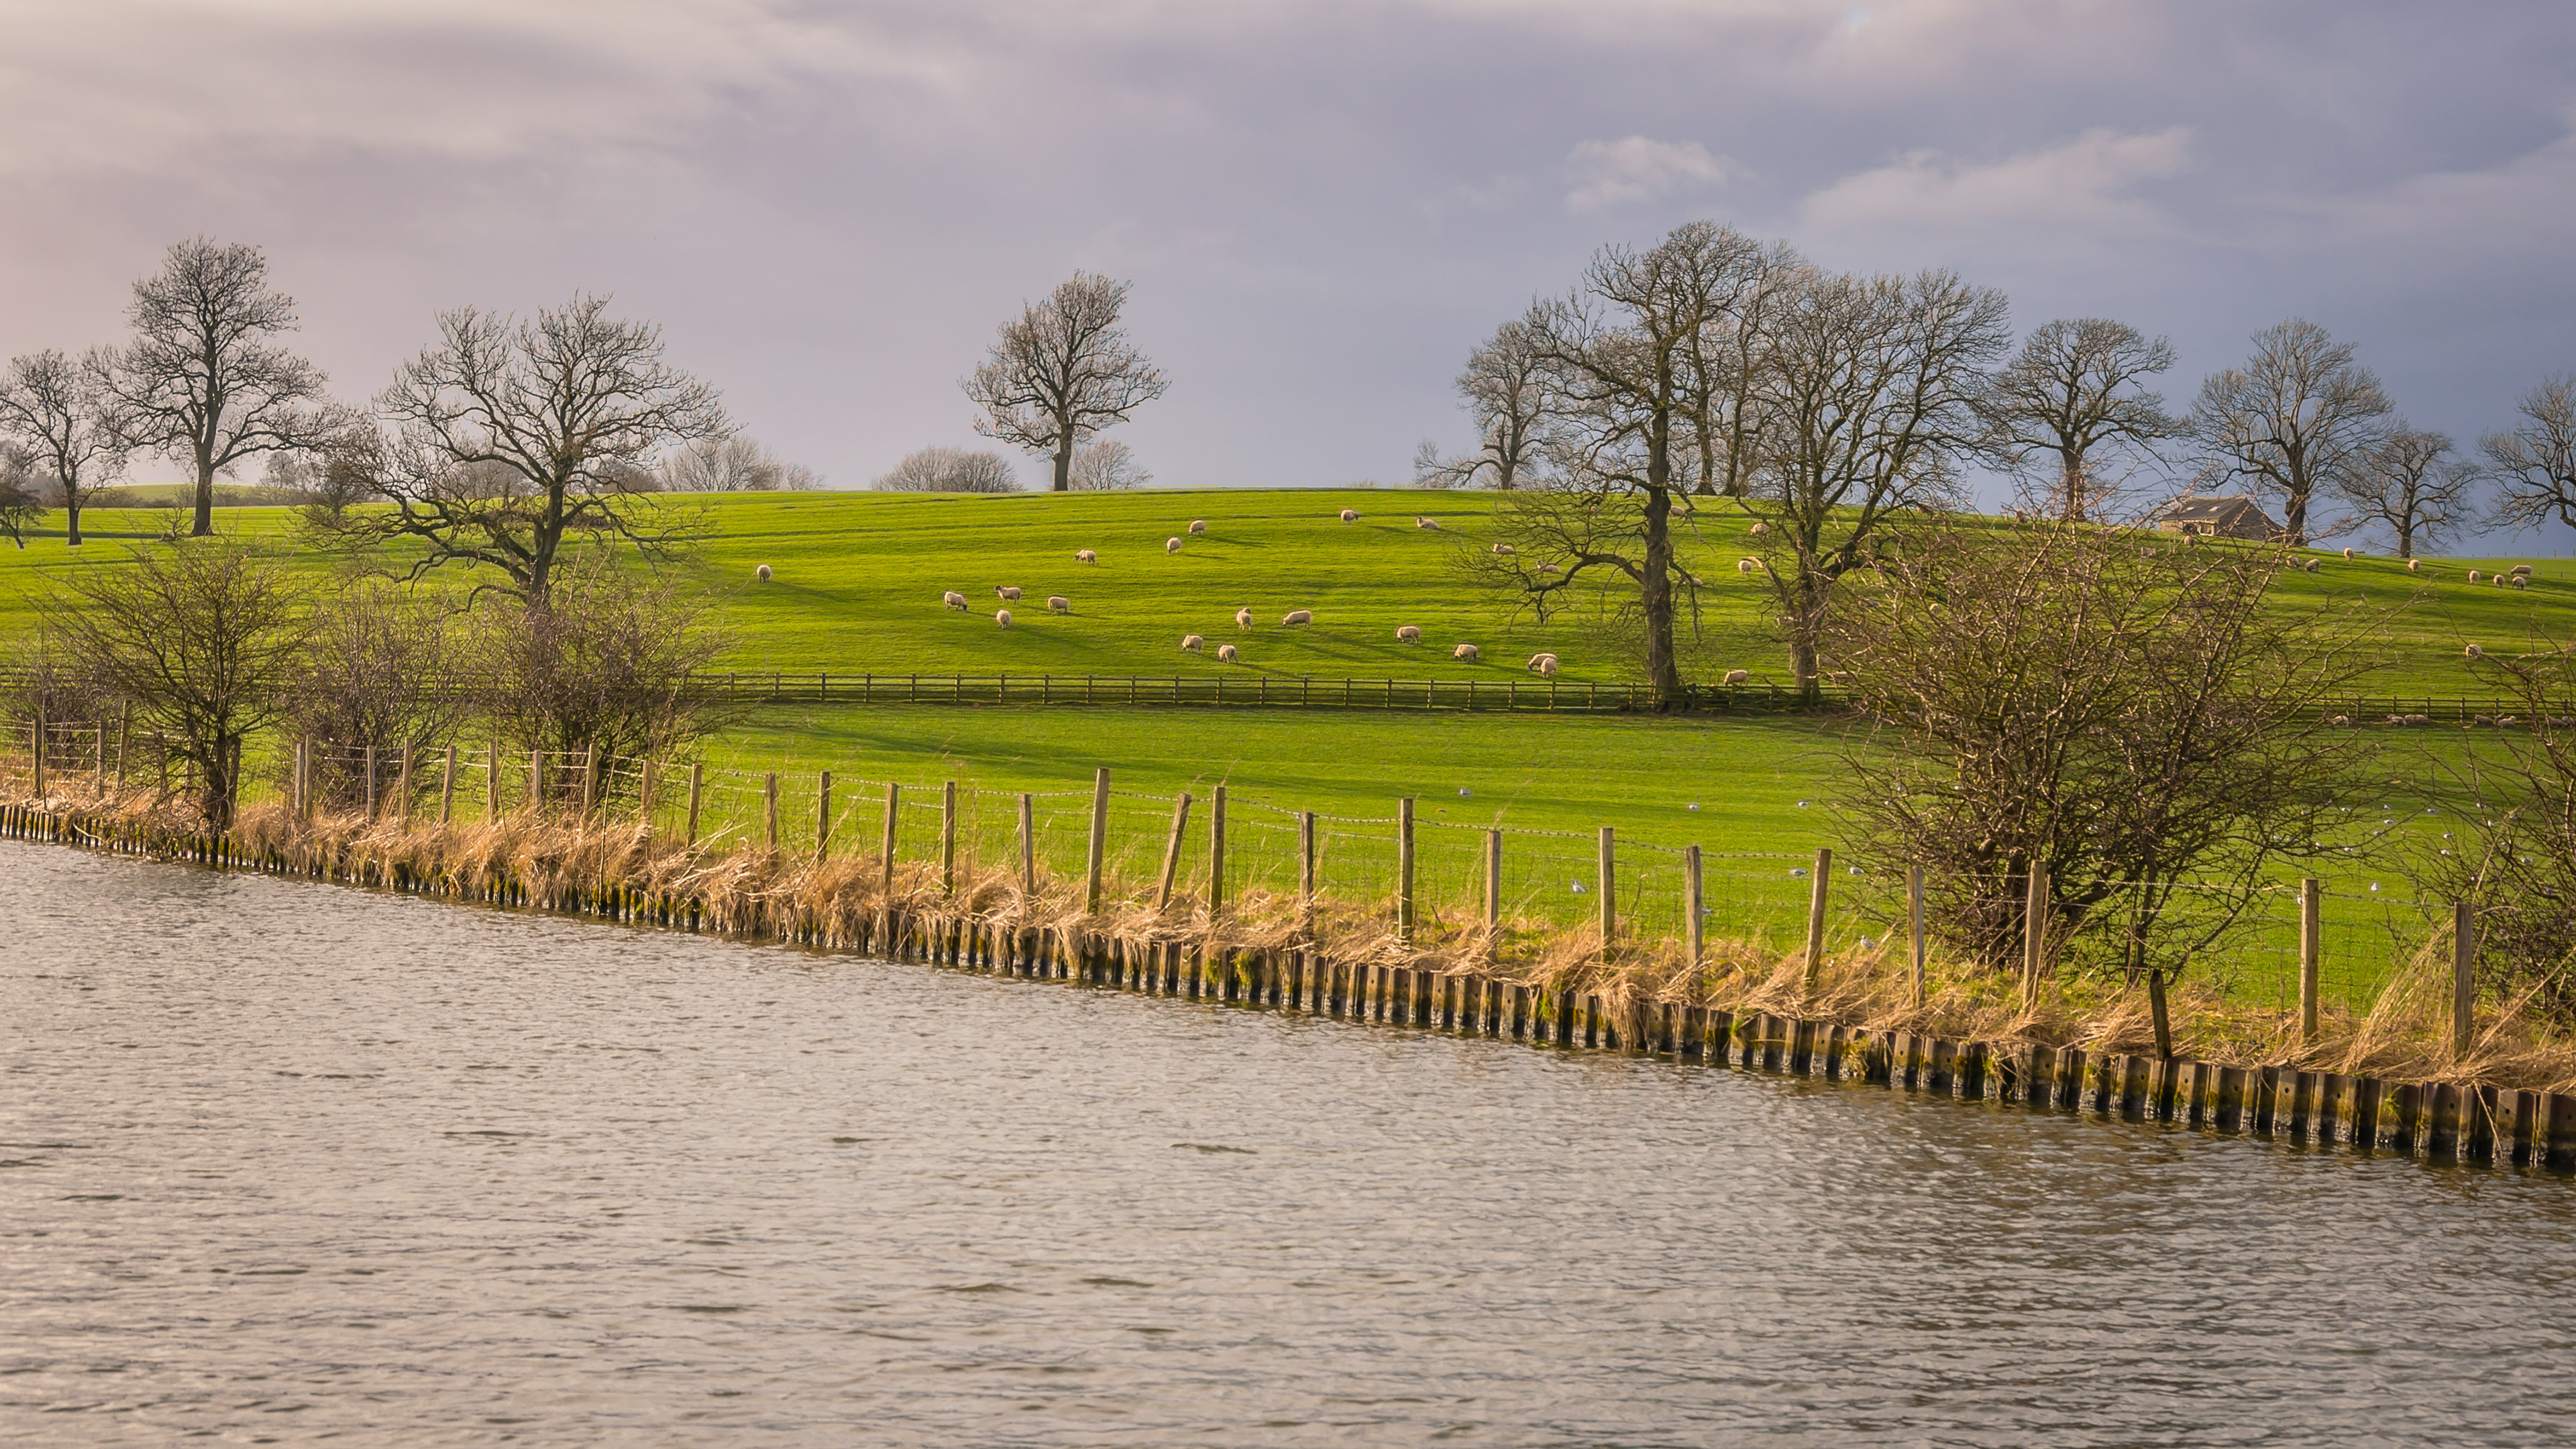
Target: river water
{"type": "Point", "coordinates": [287, 1162]}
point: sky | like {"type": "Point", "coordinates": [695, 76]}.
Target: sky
{"type": "Point", "coordinates": [831, 208]}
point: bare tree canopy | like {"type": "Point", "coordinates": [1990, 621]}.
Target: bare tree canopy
{"type": "Point", "coordinates": [1506, 390]}
{"type": "Point", "coordinates": [22, 508]}
{"type": "Point", "coordinates": [1868, 402]}
{"type": "Point", "coordinates": [1106, 465]}
{"type": "Point", "coordinates": [203, 380]}
{"type": "Point", "coordinates": [61, 419]}
{"type": "Point", "coordinates": [734, 465]}
{"type": "Point", "coordinates": [514, 436]}
{"type": "Point", "coordinates": [2410, 486]}
{"type": "Point", "coordinates": [1062, 372]}
{"type": "Point", "coordinates": [2534, 464]}
{"type": "Point", "coordinates": [2292, 421]}
{"type": "Point", "coordinates": [2074, 393]}
{"type": "Point", "coordinates": [949, 470]}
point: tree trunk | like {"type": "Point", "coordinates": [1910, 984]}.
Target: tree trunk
{"type": "Point", "coordinates": [2072, 480]}
{"type": "Point", "coordinates": [205, 524]}
{"type": "Point", "coordinates": [1064, 461]}
{"type": "Point", "coordinates": [71, 515]}
{"type": "Point", "coordinates": [1656, 589]}
{"type": "Point", "coordinates": [2294, 519]}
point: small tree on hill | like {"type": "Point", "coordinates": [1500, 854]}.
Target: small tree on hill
{"type": "Point", "coordinates": [63, 423]}
{"type": "Point", "coordinates": [1062, 372]}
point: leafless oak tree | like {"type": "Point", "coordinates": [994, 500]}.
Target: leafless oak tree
{"type": "Point", "coordinates": [1106, 465]}
{"type": "Point", "coordinates": [1727, 366]}
{"type": "Point", "coordinates": [514, 437]}
{"type": "Point", "coordinates": [1867, 404]}
{"type": "Point", "coordinates": [203, 379]}
{"type": "Point", "coordinates": [2533, 465]}
{"type": "Point", "coordinates": [21, 507]}
{"type": "Point", "coordinates": [59, 416]}
{"type": "Point", "coordinates": [2411, 486]}
{"type": "Point", "coordinates": [733, 465]}
{"type": "Point", "coordinates": [1062, 372]}
{"type": "Point", "coordinates": [949, 470]}
{"type": "Point", "coordinates": [2292, 421]}
{"type": "Point", "coordinates": [2073, 394]}
{"type": "Point", "coordinates": [1506, 388]}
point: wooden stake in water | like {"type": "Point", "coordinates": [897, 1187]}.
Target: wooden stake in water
{"type": "Point", "coordinates": [1172, 850]}
{"type": "Point", "coordinates": [1694, 908]}
{"type": "Point", "coordinates": [1608, 886]}
{"type": "Point", "coordinates": [2309, 906]}
{"type": "Point", "coordinates": [1216, 852]}
{"type": "Point", "coordinates": [1404, 870]}
{"type": "Point", "coordinates": [1096, 858]}
{"type": "Point", "coordinates": [948, 840]}
{"type": "Point", "coordinates": [1306, 875]}
{"type": "Point", "coordinates": [697, 793]}
{"type": "Point", "coordinates": [2464, 976]}
{"type": "Point", "coordinates": [447, 789]}
{"type": "Point", "coordinates": [1028, 846]}
{"type": "Point", "coordinates": [823, 814]}
{"type": "Point", "coordinates": [1914, 919]}
{"type": "Point", "coordinates": [769, 805]}
{"type": "Point", "coordinates": [2156, 1011]}
{"type": "Point", "coordinates": [1818, 891]}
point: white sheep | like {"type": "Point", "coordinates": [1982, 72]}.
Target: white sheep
{"type": "Point", "coordinates": [2474, 652]}
{"type": "Point", "coordinates": [1432, 524]}
{"type": "Point", "coordinates": [1171, 545]}
{"type": "Point", "coordinates": [761, 573]}
{"type": "Point", "coordinates": [1243, 619]}
{"type": "Point", "coordinates": [1745, 566]}
{"type": "Point", "coordinates": [1002, 617]}
{"type": "Point", "coordinates": [2500, 580]}
{"type": "Point", "coordinates": [2414, 564]}
{"type": "Point", "coordinates": [2347, 553]}
{"type": "Point", "coordinates": [2474, 576]}
{"type": "Point", "coordinates": [1543, 665]}
{"type": "Point", "coordinates": [1408, 633]}
{"type": "Point", "coordinates": [1467, 652]}
{"type": "Point", "coordinates": [2416, 719]}
{"type": "Point", "coordinates": [1505, 549]}
{"type": "Point", "coordinates": [1296, 617]}
{"type": "Point", "coordinates": [1190, 644]}
{"type": "Point", "coordinates": [1059, 604]}
{"type": "Point", "coordinates": [2522, 568]}
{"type": "Point", "coordinates": [1007, 593]}
{"type": "Point", "coordinates": [1549, 568]}
{"type": "Point", "coordinates": [1757, 530]}
{"type": "Point", "coordinates": [1084, 555]}
{"type": "Point", "coordinates": [2341, 721]}
{"type": "Point", "coordinates": [1739, 676]}
{"type": "Point", "coordinates": [1198, 528]}
{"type": "Point", "coordinates": [954, 600]}
{"type": "Point", "coordinates": [2476, 720]}
{"type": "Point", "coordinates": [2521, 581]}
{"type": "Point", "coordinates": [1350, 515]}
{"type": "Point", "coordinates": [1225, 653]}
{"type": "Point", "coordinates": [2310, 566]}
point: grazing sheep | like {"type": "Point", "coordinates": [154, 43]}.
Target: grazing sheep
{"type": "Point", "coordinates": [1350, 515]}
{"type": "Point", "coordinates": [2476, 720]}
{"type": "Point", "coordinates": [1467, 652]}
{"type": "Point", "coordinates": [1171, 545]}
{"type": "Point", "coordinates": [1757, 530]}
{"type": "Point", "coordinates": [954, 600]}
{"type": "Point", "coordinates": [2507, 721]}
{"type": "Point", "coordinates": [761, 573]}
{"type": "Point", "coordinates": [2341, 721]}
{"type": "Point", "coordinates": [1225, 653]}
{"type": "Point", "coordinates": [1243, 619]}
{"type": "Point", "coordinates": [1297, 616]}
{"type": "Point", "coordinates": [1002, 617]}
{"type": "Point", "coordinates": [2520, 581]}
{"type": "Point", "coordinates": [1408, 633]}
{"type": "Point", "coordinates": [1543, 665]}
{"type": "Point", "coordinates": [1745, 566]}
{"type": "Point", "coordinates": [1505, 549]}
{"type": "Point", "coordinates": [1008, 593]}
{"type": "Point", "coordinates": [1432, 524]}
{"type": "Point", "coordinates": [2522, 568]}
{"type": "Point", "coordinates": [1198, 528]}
{"type": "Point", "coordinates": [2474, 576]}
{"type": "Point", "coordinates": [1190, 643]}
{"type": "Point", "coordinates": [2416, 719]}
{"type": "Point", "coordinates": [2502, 579]}
{"type": "Point", "coordinates": [2397, 721]}
{"type": "Point", "coordinates": [2475, 652]}
{"type": "Point", "coordinates": [2347, 553]}
{"type": "Point", "coordinates": [2310, 566]}
{"type": "Point", "coordinates": [1084, 555]}
{"type": "Point", "coordinates": [1059, 604]}
{"type": "Point", "coordinates": [1739, 676]}
{"type": "Point", "coordinates": [1548, 568]}
{"type": "Point", "coordinates": [2414, 564]}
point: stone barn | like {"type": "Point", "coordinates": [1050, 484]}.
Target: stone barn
{"type": "Point", "coordinates": [2231, 517]}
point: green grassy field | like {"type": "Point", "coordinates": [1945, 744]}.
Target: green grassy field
{"type": "Point", "coordinates": [858, 578]}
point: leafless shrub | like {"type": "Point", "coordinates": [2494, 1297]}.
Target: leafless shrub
{"type": "Point", "coordinates": [22, 508]}
{"type": "Point", "coordinates": [949, 470]}
{"type": "Point", "coordinates": [2516, 855]}
{"type": "Point", "coordinates": [733, 465]}
{"type": "Point", "coordinates": [379, 671]}
{"type": "Point", "coordinates": [1106, 465]}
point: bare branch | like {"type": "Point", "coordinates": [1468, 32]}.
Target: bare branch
{"type": "Point", "coordinates": [1062, 372]}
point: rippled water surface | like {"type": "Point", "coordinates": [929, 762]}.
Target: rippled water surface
{"type": "Point", "coordinates": [288, 1161]}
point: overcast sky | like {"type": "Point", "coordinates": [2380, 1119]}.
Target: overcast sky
{"type": "Point", "coordinates": [831, 207]}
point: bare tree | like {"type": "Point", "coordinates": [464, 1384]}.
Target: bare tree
{"type": "Point", "coordinates": [203, 638]}
{"type": "Point", "coordinates": [2074, 393]}
{"type": "Point", "coordinates": [2293, 421]}
{"type": "Point", "coordinates": [1507, 389]}
{"type": "Point", "coordinates": [59, 416]}
{"type": "Point", "coordinates": [516, 436]}
{"type": "Point", "coordinates": [1727, 367]}
{"type": "Point", "coordinates": [2411, 486]}
{"type": "Point", "coordinates": [1868, 402]}
{"type": "Point", "coordinates": [22, 508]}
{"type": "Point", "coordinates": [2534, 465]}
{"type": "Point", "coordinates": [1063, 372]}
{"type": "Point", "coordinates": [949, 470]}
{"type": "Point", "coordinates": [1106, 465]}
{"type": "Point", "coordinates": [380, 668]}
{"type": "Point", "coordinates": [1619, 354]}
{"type": "Point", "coordinates": [734, 465]}
{"type": "Point", "coordinates": [204, 380]}
{"type": "Point", "coordinates": [2141, 722]}
{"type": "Point", "coordinates": [2516, 856]}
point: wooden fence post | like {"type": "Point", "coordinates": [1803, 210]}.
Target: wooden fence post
{"type": "Point", "coordinates": [1306, 875]}
{"type": "Point", "coordinates": [769, 805]}
{"type": "Point", "coordinates": [1028, 846]}
{"type": "Point", "coordinates": [536, 781]}
{"type": "Point", "coordinates": [1817, 893]}
{"type": "Point", "coordinates": [492, 780]}
{"type": "Point", "coordinates": [948, 840]}
{"type": "Point", "coordinates": [1493, 883]}
{"type": "Point", "coordinates": [2464, 978]}
{"type": "Point", "coordinates": [1608, 887]}
{"type": "Point", "coordinates": [697, 793]}
{"type": "Point", "coordinates": [1216, 852]}
{"type": "Point", "coordinates": [98, 760]}
{"type": "Point", "coordinates": [402, 783]}
{"type": "Point", "coordinates": [1692, 902]}
{"type": "Point", "coordinates": [1914, 919]}
{"type": "Point", "coordinates": [368, 761]}
{"type": "Point", "coordinates": [648, 794]}
{"type": "Point", "coordinates": [886, 848]}
{"type": "Point", "coordinates": [447, 789]}
{"type": "Point", "coordinates": [2309, 953]}
{"type": "Point", "coordinates": [823, 815]}
{"type": "Point", "coordinates": [589, 780]}
{"type": "Point", "coordinates": [2034, 933]}
{"type": "Point", "coordinates": [1095, 860]}
{"type": "Point", "coordinates": [1404, 870]}
{"type": "Point", "coordinates": [1172, 850]}
{"type": "Point", "coordinates": [124, 736]}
